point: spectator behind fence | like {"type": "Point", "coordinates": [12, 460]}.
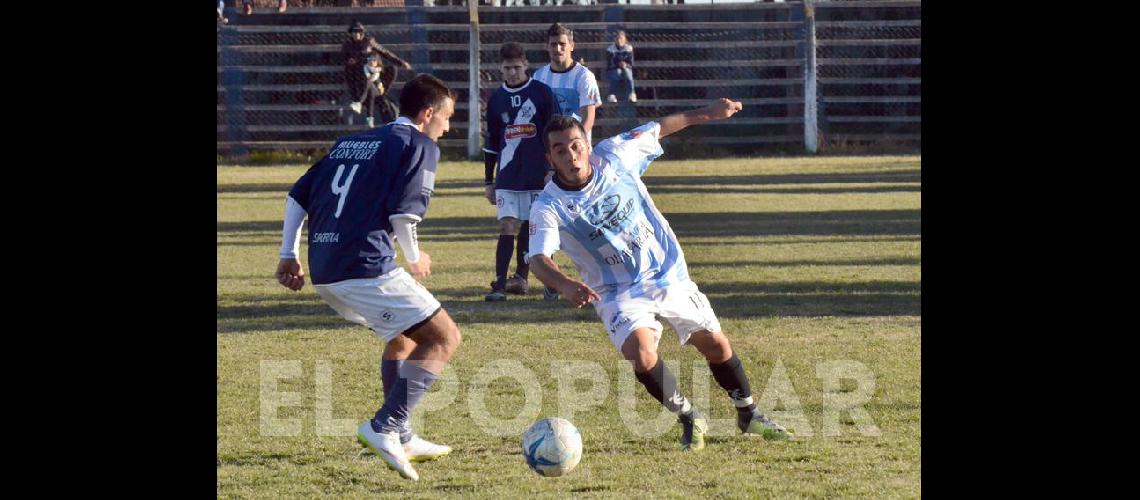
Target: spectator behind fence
{"type": "Point", "coordinates": [356, 51]}
{"type": "Point", "coordinates": [374, 90]}
{"type": "Point", "coordinates": [619, 68]}
{"type": "Point", "coordinates": [221, 8]}
{"type": "Point", "coordinates": [247, 5]}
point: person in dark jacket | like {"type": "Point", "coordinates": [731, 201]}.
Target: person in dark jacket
{"type": "Point", "coordinates": [356, 51]}
{"type": "Point", "coordinates": [619, 68]}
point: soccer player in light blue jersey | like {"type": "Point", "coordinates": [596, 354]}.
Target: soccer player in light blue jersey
{"type": "Point", "coordinates": [598, 211]}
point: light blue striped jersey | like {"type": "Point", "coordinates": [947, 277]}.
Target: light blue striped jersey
{"type": "Point", "coordinates": [620, 243]}
{"type": "Point", "coordinates": [574, 88]}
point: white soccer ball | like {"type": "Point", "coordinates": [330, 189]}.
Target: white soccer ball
{"type": "Point", "coordinates": [552, 447]}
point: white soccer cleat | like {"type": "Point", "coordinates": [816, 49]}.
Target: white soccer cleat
{"type": "Point", "coordinates": [611, 98]}
{"type": "Point", "coordinates": [422, 450]}
{"type": "Point", "coordinates": [388, 446]}
{"type": "Point", "coordinates": [633, 98]}
{"type": "Point", "coordinates": [356, 106]}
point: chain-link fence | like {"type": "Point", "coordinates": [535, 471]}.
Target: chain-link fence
{"type": "Point", "coordinates": [282, 82]}
{"type": "Point", "coordinates": [870, 84]}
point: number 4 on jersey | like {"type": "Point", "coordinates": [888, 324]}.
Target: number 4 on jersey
{"type": "Point", "coordinates": [342, 189]}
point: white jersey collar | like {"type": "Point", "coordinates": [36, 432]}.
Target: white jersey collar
{"type": "Point", "coordinates": [516, 89]}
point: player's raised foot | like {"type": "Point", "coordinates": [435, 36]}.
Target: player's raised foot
{"type": "Point", "coordinates": [387, 446]}
{"type": "Point", "coordinates": [356, 106]}
{"type": "Point", "coordinates": [754, 422]}
{"type": "Point", "coordinates": [517, 285]}
{"type": "Point", "coordinates": [422, 450]}
{"type": "Point", "coordinates": [550, 294]}
{"type": "Point", "coordinates": [611, 98]}
{"type": "Point", "coordinates": [693, 429]}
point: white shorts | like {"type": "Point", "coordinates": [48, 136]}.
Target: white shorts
{"type": "Point", "coordinates": [515, 203]}
{"type": "Point", "coordinates": [388, 304]}
{"type": "Point", "coordinates": [681, 304]}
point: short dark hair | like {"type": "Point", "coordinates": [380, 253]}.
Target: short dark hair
{"type": "Point", "coordinates": [512, 50]}
{"type": "Point", "coordinates": [557, 29]}
{"type": "Point", "coordinates": [422, 92]}
{"type": "Point", "coordinates": [559, 123]}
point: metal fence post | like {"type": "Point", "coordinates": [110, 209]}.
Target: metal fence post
{"type": "Point", "coordinates": [811, 139]}
{"type": "Point", "coordinates": [473, 83]}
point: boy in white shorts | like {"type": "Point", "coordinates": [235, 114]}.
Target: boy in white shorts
{"type": "Point", "coordinates": [597, 210]}
{"type": "Point", "coordinates": [516, 115]}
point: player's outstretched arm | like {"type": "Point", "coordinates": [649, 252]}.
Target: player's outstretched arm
{"type": "Point", "coordinates": [718, 110]}
{"type": "Point", "coordinates": [575, 292]}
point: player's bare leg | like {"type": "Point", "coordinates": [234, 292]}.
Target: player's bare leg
{"type": "Point", "coordinates": [728, 371]}
{"type": "Point", "coordinates": [640, 349]}
{"type": "Point", "coordinates": [436, 341]}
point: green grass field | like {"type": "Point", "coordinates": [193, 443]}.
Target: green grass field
{"type": "Point", "coordinates": [808, 262]}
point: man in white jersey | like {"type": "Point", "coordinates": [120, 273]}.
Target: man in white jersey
{"type": "Point", "coordinates": [598, 211]}
{"type": "Point", "coordinates": [573, 84]}
{"type": "Point", "coordinates": [574, 87]}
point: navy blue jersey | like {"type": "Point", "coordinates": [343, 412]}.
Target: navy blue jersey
{"type": "Point", "coordinates": [516, 119]}
{"type": "Point", "coordinates": [352, 191]}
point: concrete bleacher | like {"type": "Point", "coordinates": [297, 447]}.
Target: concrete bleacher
{"type": "Point", "coordinates": [280, 79]}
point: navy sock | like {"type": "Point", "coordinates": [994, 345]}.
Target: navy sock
{"type": "Point", "coordinates": [389, 373]}
{"type": "Point", "coordinates": [405, 394]}
{"type": "Point", "coordinates": [522, 268]}
{"type": "Point", "coordinates": [503, 260]}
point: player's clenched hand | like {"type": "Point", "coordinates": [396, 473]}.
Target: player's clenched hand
{"type": "Point", "coordinates": [577, 293]}
{"type": "Point", "coordinates": [421, 268]}
{"type": "Point", "coordinates": [290, 274]}
{"type": "Point", "coordinates": [724, 108]}
{"type": "Point", "coordinates": [489, 191]}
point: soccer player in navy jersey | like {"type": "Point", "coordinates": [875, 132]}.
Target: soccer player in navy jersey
{"type": "Point", "coordinates": [516, 114]}
{"type": "Point", "coordinates": [362, 199]}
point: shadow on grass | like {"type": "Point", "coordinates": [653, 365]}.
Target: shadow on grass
{"type": "Point", "coordinates": [871, 177]}
{"type": "Point", "coordinates": [253, 313]}
{"type": "Point", "coordinates": [748, 224]}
